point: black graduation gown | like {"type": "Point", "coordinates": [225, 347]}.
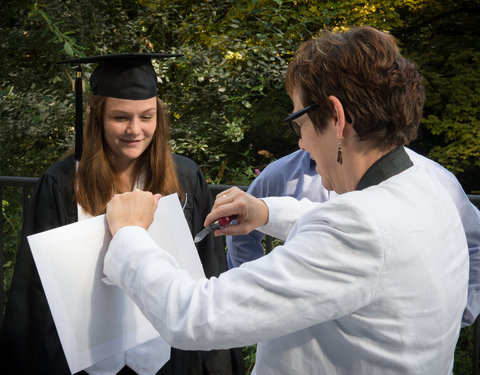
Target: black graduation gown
{"type": "Point", "coordinates": [29, 343]}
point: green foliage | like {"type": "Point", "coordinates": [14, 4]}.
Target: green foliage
{"type": "Point", "coordinates": [70, 47]}
{"type": "Point", "coordinates": [33, 133]}
{"type": "Point", "coordinates": [249, 354]}
{"type": "Point", "coordinates": [458, 119]}
{"type": "Point", "coordinates": [12, 224]}
{"type": "Point", "coordinates": [463, 352]}
{"type": "Point", "coordinates": [442, 38]}
{"type": "Point", "coordinates": [213, 95]}
{"type": "Point", "coordinates": [226, 94]}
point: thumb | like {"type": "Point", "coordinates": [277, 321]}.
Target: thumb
{"type": "Point", "coordinates": [156, 197]}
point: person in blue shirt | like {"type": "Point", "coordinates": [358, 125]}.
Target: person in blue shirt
{"type": "Point", "coordinates": [294, 175]}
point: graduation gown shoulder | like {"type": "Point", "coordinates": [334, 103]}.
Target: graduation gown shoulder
{"type": "Point", "coordinates": [29, 342]}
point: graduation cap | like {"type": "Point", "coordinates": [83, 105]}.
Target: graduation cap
{"type": "Point", "coordinates": [123, 76]}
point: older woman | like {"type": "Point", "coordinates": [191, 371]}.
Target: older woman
{"type": "Point", "coordinates": [374, 281]}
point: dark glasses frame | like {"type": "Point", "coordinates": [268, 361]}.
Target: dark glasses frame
{"type": "Point", "coordinates": [291, 119]}
{"type": "Point", "coordinates": [294, 125]}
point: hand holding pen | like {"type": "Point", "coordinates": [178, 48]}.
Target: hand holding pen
{"type": "Point", "coordinates": [250, 212]}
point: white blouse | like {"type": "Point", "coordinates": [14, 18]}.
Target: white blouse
{"type": "Point", "coordinates": [372, 282]}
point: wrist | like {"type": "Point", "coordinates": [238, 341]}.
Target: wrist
{"type": "Point", "coordinates": [264, 213]}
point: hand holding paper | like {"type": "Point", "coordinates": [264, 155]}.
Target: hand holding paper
{"type": "Point", "coordinates": [132, 208]}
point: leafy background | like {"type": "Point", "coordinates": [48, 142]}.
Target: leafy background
{"type": "Point", "coordinates": [225, 96]}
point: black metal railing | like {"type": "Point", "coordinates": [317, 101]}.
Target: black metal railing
{"type": "Point", "coordinates": [26, 184]}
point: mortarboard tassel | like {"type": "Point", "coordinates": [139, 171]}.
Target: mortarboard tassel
{"type": "Point", "coordinates": [78, 115]}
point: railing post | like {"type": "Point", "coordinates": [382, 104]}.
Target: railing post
{"type": "Point", "coordinates": [26, 183]}
{"type": "Point", "coordinates": [476, 346]}
{"type": "Point", "coordinates": [1, 256]}
{"type": "Point", "coordinates": [25, 192]}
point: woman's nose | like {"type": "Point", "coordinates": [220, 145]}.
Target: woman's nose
{"type": "Point", "coordinates": [134, 126]}
{"type": "Point", "coordinates": [300, 144]}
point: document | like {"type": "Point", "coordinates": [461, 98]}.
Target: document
{"type": "Point", "coordinates": [94, 320]}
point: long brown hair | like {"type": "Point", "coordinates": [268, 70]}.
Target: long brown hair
{"type": "Point", "coordinates": [95, 181]}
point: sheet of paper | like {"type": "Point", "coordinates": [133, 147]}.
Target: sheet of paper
{"type": "Point", "coordinates": [95, 320]}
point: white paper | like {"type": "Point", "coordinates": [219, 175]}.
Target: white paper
{"type": "Point", "coordinates": [95, 320]}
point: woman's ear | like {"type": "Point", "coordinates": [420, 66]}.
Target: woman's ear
{"type": "Point", "coordinates": [340, 113]}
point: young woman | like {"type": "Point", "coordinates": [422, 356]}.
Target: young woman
{"type": "Point", "coordinates": [125, 146]}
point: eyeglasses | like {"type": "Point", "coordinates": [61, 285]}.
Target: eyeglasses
{"type": "Point", "coordinates": [294, 125]}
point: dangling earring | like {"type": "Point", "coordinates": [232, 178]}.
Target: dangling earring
{"type": "Point", "coordinates": [339, 153]}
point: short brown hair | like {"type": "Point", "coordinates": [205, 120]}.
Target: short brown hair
{"type": "Point", "coordinates": [364, 69]}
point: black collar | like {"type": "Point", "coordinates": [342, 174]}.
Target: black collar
{"type": "Point", "coordinates": [390, 164]}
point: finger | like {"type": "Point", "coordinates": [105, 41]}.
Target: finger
{"type": "Point", "coordinates": [223, 210]}
{"type": "Point", "coordinates": [221, 199]}
{"type": "Point", "coordinates": [233, 229]}
{"type": "Point", "coordinates": [156, 198]}
{"type": "Point", "coordinates": [214, 215]}
{"type": "Point", "coordinates": [227, 196]}
{"type": "Point", "coordinates": [226, 192]}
